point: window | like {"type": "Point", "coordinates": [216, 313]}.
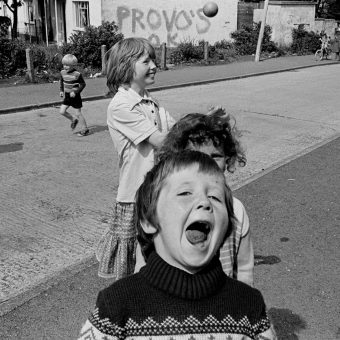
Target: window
{"type": "Point", "coordinates": [30, 12]}
{"type": "Point", "coordinates": [81, 10]}
{"type": "Point", "coordinates": [4, 9]}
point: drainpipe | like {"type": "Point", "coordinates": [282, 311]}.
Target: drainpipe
{"type": "Point", "coordinates": [56, 20]}
{"type": "Point", "coordinates": [46, 30]}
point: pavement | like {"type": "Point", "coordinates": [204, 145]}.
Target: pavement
{"type": "Point", "coordinates": [49, 226]}
{"type": "Point", "coordinates": [17, 98]}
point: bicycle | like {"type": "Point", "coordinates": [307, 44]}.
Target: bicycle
{"type": "Point", "coordinates": [322, 53]}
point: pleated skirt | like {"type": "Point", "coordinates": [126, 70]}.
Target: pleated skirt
{"type": "Point", "coordinates": [116, 250]}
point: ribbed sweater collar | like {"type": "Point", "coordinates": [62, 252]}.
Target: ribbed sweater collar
{"type": "Point", "coordinates": [179, 283]}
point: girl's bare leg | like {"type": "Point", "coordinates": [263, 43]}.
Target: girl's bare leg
{"type": "Point", "coordinates": [81, 119]}
{"type": "Point", "coordinates": [63, 112]}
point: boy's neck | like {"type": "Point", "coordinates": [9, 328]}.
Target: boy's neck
{"type": "Point", "coordinates": [71, 69]}
{"type": "Point", "coordinates": [180, 283]}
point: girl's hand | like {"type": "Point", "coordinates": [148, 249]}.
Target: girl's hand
{"type": "Point", "coordinates": [72, 94]}
{"type": "Point", "coordinates": [61, 94]}
{"type": "Point", "coordinates": [217, 110]}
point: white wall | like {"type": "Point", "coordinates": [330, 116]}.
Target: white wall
{"type": "Point", "coordinates": [95, 11]}
{"type": "Point", "coordinates": [171, 21]}
{"type": "Point", "coordinates": [326, 25]}
{"type": "Point", "coordinates": [283, 16]}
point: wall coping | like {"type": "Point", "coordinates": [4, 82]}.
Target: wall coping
{"type": "Point", "coordinates": [292, 3]}
{"type": "Point", "coordinates": [324, 19]}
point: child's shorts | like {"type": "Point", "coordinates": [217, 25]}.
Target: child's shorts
{"type": "Point", "coordinates": [75, 102]}
{"type": "Point", "coordinates": [116, 250]}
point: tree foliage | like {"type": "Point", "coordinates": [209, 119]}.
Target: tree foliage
{"type": "Point", "coordinates": [245, 39]}
{"type": "Point", "coordinates": [304, 42]}
{"type": "Point", "coordinates": [5, 22]}
{"type": "Point", "coordinates": [85, 45]}
{"type": "Point", "coordinates": [328, 9]}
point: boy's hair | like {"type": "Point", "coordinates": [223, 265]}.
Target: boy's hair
{"type": "Point", "coordinates": [69, 59]}
{"type": "Point", "coordinates": [121, 59]}
{"type": "Point", "coordinates": [148, 193]}
{"type": "Point", "coordinates": [198, 129]}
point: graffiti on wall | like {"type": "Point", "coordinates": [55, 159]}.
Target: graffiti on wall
{"type": "Point", "coordinates": [159, 21]}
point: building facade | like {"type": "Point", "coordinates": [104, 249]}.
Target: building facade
{"type": "Point", "coordinates": [54, 21]}
{"type": "Point", "coordinates": [284, 15]}
{"type": "Point", "coordinates": [172, 22]}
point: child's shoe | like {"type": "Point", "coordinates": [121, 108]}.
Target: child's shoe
{"type": "Point", "coordinates": [83, 133]}
{"type": "Point", "coordinates": [74, 123]}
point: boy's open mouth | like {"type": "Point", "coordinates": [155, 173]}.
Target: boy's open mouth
{"type": "Point", "coordinates": [198, 232]}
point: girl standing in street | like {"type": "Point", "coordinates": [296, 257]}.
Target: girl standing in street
{"type": "Point", "coordinates": [137, 124]}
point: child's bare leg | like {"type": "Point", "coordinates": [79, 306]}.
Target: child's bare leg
{"type": "Point", "coordinates": [63, 112]}
{"type": "Point", "coordinates": [84, 130]}
{"type": "Point", "coordinates": [81, 119]}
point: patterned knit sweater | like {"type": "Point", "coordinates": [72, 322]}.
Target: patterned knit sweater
{"type": "Point", "coordinates": [71, 81]}
{"type": "Point", "coordinates": [162, 302]}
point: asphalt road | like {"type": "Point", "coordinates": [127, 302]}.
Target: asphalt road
{"type": "Point", "coordinates": [294, 214]}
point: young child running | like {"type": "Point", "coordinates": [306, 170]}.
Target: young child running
{"type": "Point", "coordinates": [184, 212]}
{"type": "Point", "coordinates": [71, 85]}
{"type": "Point", "coordinates": [137, 124]}
{"type": "Point", "coordinates": [217, 136]}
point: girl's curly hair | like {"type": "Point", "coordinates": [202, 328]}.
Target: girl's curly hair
{"type": "Point", "coordinates": [198, 129]}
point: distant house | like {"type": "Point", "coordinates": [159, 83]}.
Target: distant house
{"type": "Point", "coordinates": [40, 20]}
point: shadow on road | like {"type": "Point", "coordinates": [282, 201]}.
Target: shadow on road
{"type": "Point", "coordinates": [286, 323]}
{"type": "Point", "coordinates": [98, 128]}
{"type": "Point", "coordinates": [13, 147]}
{"type": "Point", "coordinates": [271, 259]}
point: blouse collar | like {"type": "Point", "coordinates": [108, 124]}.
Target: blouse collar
{"type": "Point", "coordinates": [135, 98]}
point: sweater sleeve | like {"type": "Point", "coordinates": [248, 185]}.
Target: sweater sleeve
{"type": "Point", "coordinates": [263, 328]}
{"type": "Point", "coordinates": [99, 325]}
{"type": "Point", "coordinates": [61, 83]}
{"type": "Point", "coordinates": [269, 334]}
{"type": "Point", "coordinates": [89, 331]}
{"type": "Point", "coordinates": [81, 83]}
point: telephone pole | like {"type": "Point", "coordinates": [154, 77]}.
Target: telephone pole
{"type": "Point", "coordinates": [263, 24]}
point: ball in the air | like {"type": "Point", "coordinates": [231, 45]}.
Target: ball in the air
{"type": "Point", "coordinates": [210, 9]}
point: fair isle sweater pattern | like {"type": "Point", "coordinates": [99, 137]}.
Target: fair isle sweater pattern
{"type": "Point", "coordinates": [162, 302]}
{"type": "Point", "coordinates": [172, 329]}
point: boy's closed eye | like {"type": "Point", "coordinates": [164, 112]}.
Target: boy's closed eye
{"type": "Point", "coordinates": [216, 198]}
{"type": "Point", "coordinates": [184, 193]}
{"type": "Point", "coordinates": [216, 155]}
